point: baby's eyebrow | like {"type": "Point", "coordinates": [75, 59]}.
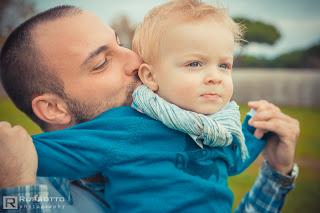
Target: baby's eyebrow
{"type": "Point", "coordinates": [198, 55]}
{"type": "Point", "coordinates": [229, 58]}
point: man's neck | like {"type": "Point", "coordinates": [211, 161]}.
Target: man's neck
{"type": "Point", "coordinates": [54, 127]}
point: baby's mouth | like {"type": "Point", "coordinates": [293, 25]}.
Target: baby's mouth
{"type": "Point", "coordinates": [211, 96]}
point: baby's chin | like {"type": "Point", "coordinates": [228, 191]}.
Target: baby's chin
{"type": "Point", "coordinates": [207, 110]}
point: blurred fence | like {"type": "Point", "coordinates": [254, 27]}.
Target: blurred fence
{"type": "Point", "coordinates": [279, 86]}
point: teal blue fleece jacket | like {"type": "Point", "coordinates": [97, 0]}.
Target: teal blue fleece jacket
{"type": "Point", "coordinates": [148, 167]}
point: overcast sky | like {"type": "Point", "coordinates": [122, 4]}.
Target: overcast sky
{"type": "Point", "coordinates": [297, 20]}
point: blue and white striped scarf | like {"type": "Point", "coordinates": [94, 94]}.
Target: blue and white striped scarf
{"type": "Point", "coordinates": [216, 130]}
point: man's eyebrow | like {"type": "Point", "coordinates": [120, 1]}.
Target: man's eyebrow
{"type": "Point", "coordinates": [94, 54]}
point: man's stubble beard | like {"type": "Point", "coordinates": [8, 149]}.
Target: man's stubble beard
{"type": "Point", "coordinates": [82, 112]}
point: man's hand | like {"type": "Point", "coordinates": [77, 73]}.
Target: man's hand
{"type": "Point", "coordinates": [283, 134]}
{"type": "Point", "coordinates": [18, 157]}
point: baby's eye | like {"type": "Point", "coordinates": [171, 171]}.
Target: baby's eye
{"type": "Point", "coordinates": [225, 66]}
{"type": "Point", "coordinates": [194, 64]}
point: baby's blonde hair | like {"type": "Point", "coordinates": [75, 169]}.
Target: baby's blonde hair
{"type": "Point", "coordinates": [147, 38]}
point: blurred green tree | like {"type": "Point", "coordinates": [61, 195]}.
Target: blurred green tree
{"type": "Point", "coordinates": [255, 32]}
{"type": "Point", "coordinates": [259, 32]}
{"type": "Point", "coordinates": [312, 56]}
{"type": "Point", "coordinates": [301, 58]}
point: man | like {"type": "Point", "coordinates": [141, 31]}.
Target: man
{"type": "Point", "coordinates": [63, 67]}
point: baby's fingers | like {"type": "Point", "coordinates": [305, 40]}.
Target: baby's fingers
{"type": "Point", "coordinates": [259, 133]}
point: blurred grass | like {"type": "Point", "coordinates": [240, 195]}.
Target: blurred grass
{"type": "Point", "coordinates": [302, 199]}
{"type": "Point", "coordinates": [8, 112]}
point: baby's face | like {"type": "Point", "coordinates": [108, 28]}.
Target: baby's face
{"type": "Point", "coordinates": [194, 66]}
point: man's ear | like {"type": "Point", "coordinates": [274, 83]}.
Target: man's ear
{"type": "Point", "coordinates": [147, 76]}
{"type": "Point", "coordinates": [51, 109]}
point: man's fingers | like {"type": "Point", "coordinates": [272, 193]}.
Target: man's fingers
{"type": "Point", "coordinates": [258, 104]}
{"type": "Point", "coordinates": [259, 133]}
{"type": "Point", "coordinates": [19, 130]}
{"type": "Point", "coordinates": [271, 112]}
{"type": "Point", "coordinates": [290, 119]}
{"type": "Point", "coordinates": [268, 115]}
{"type": "Point", "coordinates": [262, 116]}
{"type": "Point", "coordinates": [274, 125]}
{"type": "Point", "coordinates": [295, 126]}
{"type": "Point", "coordinates": [263, 105]}
{"type": "Point", "coordinates": [4, 124]}
{"type": "Point", "coordinates": [8, 131]}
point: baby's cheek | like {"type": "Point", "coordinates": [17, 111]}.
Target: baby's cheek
{"type": "Point", "coordinates": [185, 96]}
{"type": "Point", "coordinates": [183, 89]}
{"type": "Point", "coordinates": [180, 92]}
{"type": "Point", "coordinates": [228, 90]}
{"type": "Point", "coordinates": [172, 94]}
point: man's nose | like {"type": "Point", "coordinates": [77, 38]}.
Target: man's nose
{"type": "Point", "coordinates": [213, 77]}
{"type": "Point", "coordinates": [133, 62]}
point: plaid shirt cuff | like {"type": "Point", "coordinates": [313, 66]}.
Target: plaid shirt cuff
{"type": "Point", "coordinates": [268, 192]}
{"type": "Point", "coordinates": [284, 181]}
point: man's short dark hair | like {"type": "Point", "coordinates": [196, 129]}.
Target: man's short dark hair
{"type": "Point", "coordinates": [24, 75]}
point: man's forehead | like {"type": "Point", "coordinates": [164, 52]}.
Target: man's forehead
{"type": "Point", "coordinates": [72, 37]}
{"type": "Point", "coordinates": [80, 29]}
{"type": "Point", "coordinates": [71, 24]}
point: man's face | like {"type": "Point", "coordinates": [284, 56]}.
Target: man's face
{"type": "Point", "coordinates": [98, 74]}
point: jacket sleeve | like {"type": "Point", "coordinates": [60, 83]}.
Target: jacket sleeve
{"type": "Point", "coordinates": [254, 146]}
{"type": "Point", "coordinates": [80, 151]}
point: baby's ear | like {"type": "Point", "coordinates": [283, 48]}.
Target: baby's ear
{"type": "Point", "coordinates": [147, 76]}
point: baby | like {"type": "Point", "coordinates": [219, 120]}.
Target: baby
{"type": "Point", "coordinates": [187, 48]}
